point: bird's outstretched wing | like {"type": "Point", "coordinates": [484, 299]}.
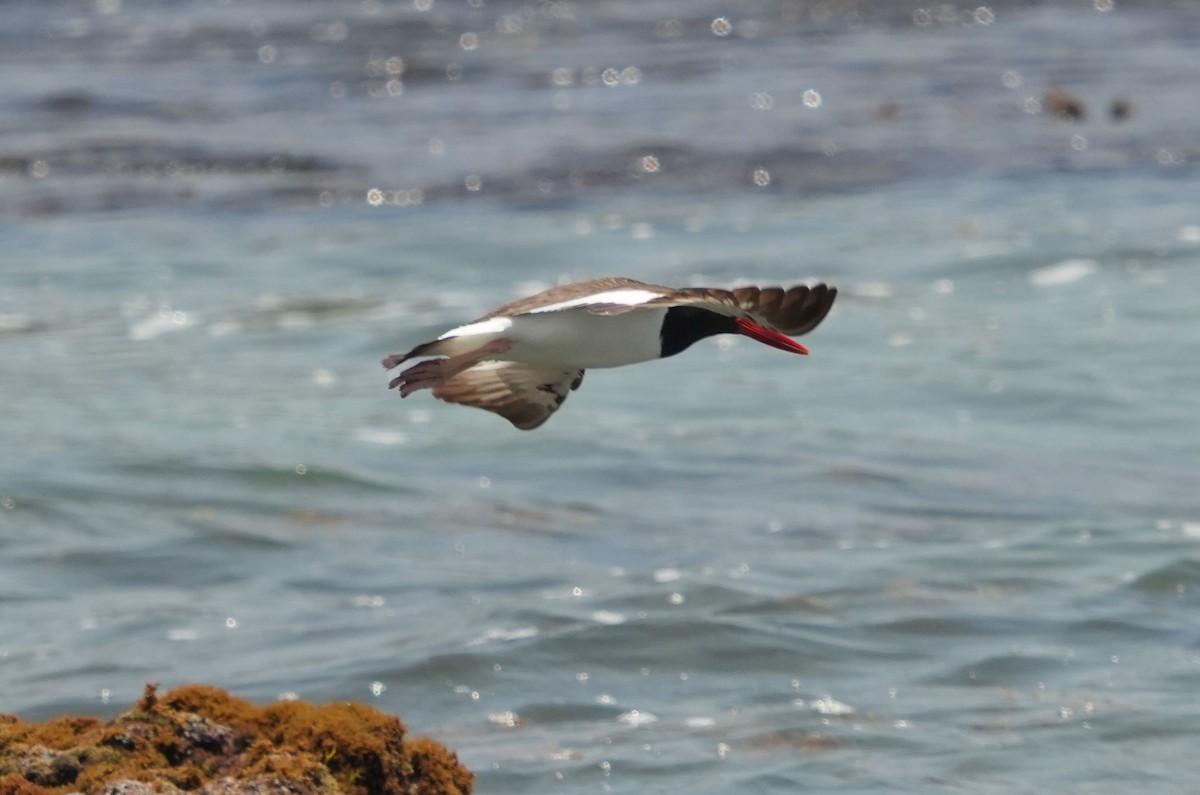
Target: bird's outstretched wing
{"type": "Point", "coordinates": [796, 310]}
{"type": "Point", "coordinates": [525, 396]}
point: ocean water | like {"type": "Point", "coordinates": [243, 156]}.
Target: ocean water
{"type": "Point", "coordinates": [957, 548]}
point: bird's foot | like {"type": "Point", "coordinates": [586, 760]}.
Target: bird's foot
{"type": "Point", "coordinates": [435, 372]}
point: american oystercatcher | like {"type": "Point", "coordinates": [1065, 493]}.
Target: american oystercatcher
{"type": "Point", "coordinates": [523, 359]}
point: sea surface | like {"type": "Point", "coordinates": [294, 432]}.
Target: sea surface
{"type": "Point", "coordinates": [955, 549]}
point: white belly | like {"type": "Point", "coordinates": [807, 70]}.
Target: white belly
{"type": "Point", "coordinates": [579, 339]}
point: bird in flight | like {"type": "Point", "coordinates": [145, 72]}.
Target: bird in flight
{"type": "Point", "coordinates": [522, 360]}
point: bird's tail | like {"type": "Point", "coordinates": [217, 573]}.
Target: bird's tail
{"type": "Point", "coordinates": [424, 349]}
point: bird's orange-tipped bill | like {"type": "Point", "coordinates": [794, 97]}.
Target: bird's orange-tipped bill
{"type": "Point", "coordinates": [768, 337]}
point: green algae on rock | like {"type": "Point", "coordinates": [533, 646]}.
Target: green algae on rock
{"type": "Point", "coordinates": [200, 739]}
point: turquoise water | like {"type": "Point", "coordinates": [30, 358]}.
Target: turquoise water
{"type": "Point", "coordinates": [954, 549]}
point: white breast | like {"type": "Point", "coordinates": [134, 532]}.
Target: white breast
{"type": "Point", "coordinates": [579, 339]}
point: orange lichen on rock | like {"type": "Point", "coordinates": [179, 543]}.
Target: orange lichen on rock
{"type": "Point", "coordinates": [200, 739]}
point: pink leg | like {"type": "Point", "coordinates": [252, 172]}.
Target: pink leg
{"type": "Point", "coordinates": [434, 372]}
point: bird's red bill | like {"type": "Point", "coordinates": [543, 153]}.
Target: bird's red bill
{"type": "Point", "coordinates": [768, 337]}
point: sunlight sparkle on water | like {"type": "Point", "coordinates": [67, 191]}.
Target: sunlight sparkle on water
{"type": "Point", "coordinates": [1188, 234]}
{"type": "Point", "coordinates": [629, 76]}
{"type": "Point", "coordinates": [667, 575]}
{"type": "Point", "coordinates": [507, 719]}
{"type": "Point", "coordinates": [831, 706]}
{"type": "Point", "coordinates": [637, 718]}
{"type": "Point", "coordinates": [383, 436]}
{"type": "Point", "coordinates": [1065, 272]}
{"type": "Point", "coordinates": [504, 635]}
{"type": "Point", "coordinates": [163, 321]}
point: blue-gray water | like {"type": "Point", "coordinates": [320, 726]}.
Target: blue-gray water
{"type": "Point", "coordinates": [957, 548]}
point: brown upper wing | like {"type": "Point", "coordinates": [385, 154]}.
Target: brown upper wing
{"type": "Point", "coordinates": [565, 292]}
{"type": "Point", "coordinates": [523, 395]}
{"type": "Point", "coordinates": [796, 310]}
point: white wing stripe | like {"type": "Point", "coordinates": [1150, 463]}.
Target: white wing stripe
{"type": "Point", "coordinates": [494, 325]}
{"type": "Point", "coordinates": [624, 297]}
